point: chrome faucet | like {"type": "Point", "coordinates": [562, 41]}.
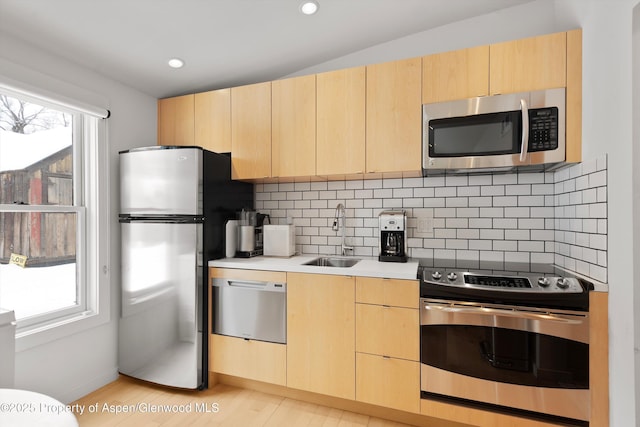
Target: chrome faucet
{"type": "Point", "coordinates": [338, 223]}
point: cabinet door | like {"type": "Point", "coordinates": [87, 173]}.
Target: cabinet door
{"type": "Point", "coordinates": [175, 120]}
{"type": "Point", "coordinates": [459, 74]}
{"type": "Point", "coordinates": [388, 331]}
{"type": "Point", "coordinates": [321, 334]}
{"type": "Point", "coordinates": [394, 128]}
{"type": "Point", "coordinates": [388, 382]}
{"type": "Point", "coordinates": [213, 120]}
{"type": "Point", "coordinates": [340, 147]}
{"type": "Point", "coordinates": [533, 63]}
{"type": "Point", "coordinates": [251, 131]}
{"type": "Point", "coordinates": [294, 127]}
{"type": "Point", "coordinates": [255, 360]}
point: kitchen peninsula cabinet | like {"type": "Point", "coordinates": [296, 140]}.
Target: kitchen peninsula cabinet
{"type": "Point", "coordinates": [251, 131]}
{"type": "Point", "coordinates": [321, 334]}
{"type": "Point", "coordinates": [294, 127]}
{"type": "Point", "coordinates": [340, 146]}
{"type": "Point", "coordinates": [388, 343]}
{"type": "Point", "coordinates": [393, 119]}
{"type": "Point", "coordinates": [176, 120]}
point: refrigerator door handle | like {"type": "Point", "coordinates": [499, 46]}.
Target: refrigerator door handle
{"type": "Point", "coordinates": [183, 219]}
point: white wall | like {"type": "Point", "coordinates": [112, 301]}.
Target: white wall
{"type": "Point", "coordinates": [607, 130]}
{"type": "Point", "coordinates": [71, 367]}
{"type": "Point", "coordinates": [636, 186]}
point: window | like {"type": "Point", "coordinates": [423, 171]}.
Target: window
{"type": "Point", "coordinates": [49, 212]}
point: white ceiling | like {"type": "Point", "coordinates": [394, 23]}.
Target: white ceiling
{"type": "Point", "coordinates": [224, 43]}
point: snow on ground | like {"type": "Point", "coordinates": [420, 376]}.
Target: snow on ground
{"type": "Point", "coordinates": [36, 290]}
{"type": "Point", "coordinates": [17, 151]}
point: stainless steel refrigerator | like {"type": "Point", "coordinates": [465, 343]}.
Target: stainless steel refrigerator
{"type": "Point", "coordinates": [174, 203]}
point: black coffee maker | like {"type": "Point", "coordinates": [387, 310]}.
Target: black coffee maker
{"type": "Point", "coordinates": [393, 236]}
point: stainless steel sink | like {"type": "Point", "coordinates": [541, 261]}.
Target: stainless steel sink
{"type": "Point", "coordinates": [333, 262]}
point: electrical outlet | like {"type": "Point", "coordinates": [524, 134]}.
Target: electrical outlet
{"type": "Point", "coordinates": [425, 225]}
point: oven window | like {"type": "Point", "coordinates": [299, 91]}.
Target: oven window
{"type": "Point", "coordinates": [506, 355]}
{"type": "Point", "coordinates": [478, 135]}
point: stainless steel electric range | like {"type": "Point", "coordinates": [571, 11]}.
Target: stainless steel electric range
{"type": "Point", "coordinates": [514, 337]}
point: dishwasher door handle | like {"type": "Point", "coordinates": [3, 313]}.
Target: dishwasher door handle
{"type": "Point", "coordinates": [250, 284]}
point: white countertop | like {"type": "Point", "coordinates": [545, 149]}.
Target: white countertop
{"type": "Point", "coordinates": [366, 267]}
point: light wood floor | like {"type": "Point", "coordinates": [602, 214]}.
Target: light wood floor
{"type": "Point", "coordinates": [222, 405]}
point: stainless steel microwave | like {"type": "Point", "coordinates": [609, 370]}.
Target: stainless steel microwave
{"type": "Point", "coordinates": [495, 133]}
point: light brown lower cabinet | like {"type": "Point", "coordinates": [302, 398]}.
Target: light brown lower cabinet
{"type": "Point", "coordinates": [388, 331]}
{"type": "Point", "coordinates": [388, 382]}
{"type": "Point", "coordinates": [321, 334]}
{"type": "Point", "coordinates": [255, 360]}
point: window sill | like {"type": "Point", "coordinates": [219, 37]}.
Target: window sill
{"type": "Point", "coordinates": [39, 335]}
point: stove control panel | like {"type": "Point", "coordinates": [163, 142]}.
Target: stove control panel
{"type": "Point", "coordinates": [502, 283]}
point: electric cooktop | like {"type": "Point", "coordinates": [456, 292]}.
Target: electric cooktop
{"type": "Point", "coordinates": [522, 284]}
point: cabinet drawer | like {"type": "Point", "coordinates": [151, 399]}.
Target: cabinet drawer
{"type": "Point", "coordinates": [389, 382]}
{"type": "Point", "coordinates": [393, 292]}
{"type": "Point", "coordinates": [255, 360]}
{"type": "Point", "coordinates": [388, 331]}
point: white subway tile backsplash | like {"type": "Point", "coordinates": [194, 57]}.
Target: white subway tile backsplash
{"type": "Point", "coordinates": [516, 235]}
{"type": "Point", "coordinates": [480, 180]}
{"type": "Point", "coordinates": [518, 190]}
{"type": "Point", "coordinates": [503, 179]}
{"type": "Point", "coordinates": [492, 190]}
{"type": "Point", "coordinates": [547, 217]}
{"type": "Point", "coordinates": [446, 191]}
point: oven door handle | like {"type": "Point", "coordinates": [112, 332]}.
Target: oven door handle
{"type": "Point", "coordinates": [546, 317]}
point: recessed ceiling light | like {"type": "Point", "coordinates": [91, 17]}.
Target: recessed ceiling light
{"type": "Point", "coordinates": [176, 63]}
{"type": "Point", "coordinates": [309, 7]}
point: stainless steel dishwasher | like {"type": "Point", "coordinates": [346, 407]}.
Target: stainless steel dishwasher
{"type": "Point", "coordinates": [250, 309]}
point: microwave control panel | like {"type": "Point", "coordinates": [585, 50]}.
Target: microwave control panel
{"type": "Point", "coordinates": [543, 129]}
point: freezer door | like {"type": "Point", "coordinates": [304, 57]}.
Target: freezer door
{"type": "Point", "coordinates": [161, 181]}
{"type": "Point", "coordinates": [160, 329]}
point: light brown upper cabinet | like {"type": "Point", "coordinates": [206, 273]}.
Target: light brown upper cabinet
{"type": "Point", "coordinates": [393, 136]}
{"type": "Point", "coordinates": [340, 144]}
{"type": "Point", "coordinates": [251, 131]}
{"type": "Point", "coordinates": [176, 120]}
{"type": "Point", "coordinates": [213, 120]}
{"type": "Point", "coordinates": [455, 75]}
{"type": "Point", "coordinates": [294, 127]}
{"type": "Point", "coordinates": [533, 63]}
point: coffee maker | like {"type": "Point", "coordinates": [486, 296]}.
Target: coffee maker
{"type": "Point", "coordinates": [393, 236]}
{"type": "Point", "coordinates": [250, 233]}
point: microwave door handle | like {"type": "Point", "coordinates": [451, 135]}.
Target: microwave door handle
{"type": "Point", "coordinates": [525, 130]}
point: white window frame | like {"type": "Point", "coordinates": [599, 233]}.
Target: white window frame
{"type": "Point", "coordinates": [91, 205]}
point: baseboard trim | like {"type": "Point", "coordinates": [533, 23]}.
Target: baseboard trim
{"type": "Point", "coordinates": [89, 386]}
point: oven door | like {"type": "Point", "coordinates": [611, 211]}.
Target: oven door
{"type": "Point", "coordinates": [521, 358]}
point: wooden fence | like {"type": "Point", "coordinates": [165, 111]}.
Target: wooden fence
{"type": "Point", "coordinates": [44, 237]}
